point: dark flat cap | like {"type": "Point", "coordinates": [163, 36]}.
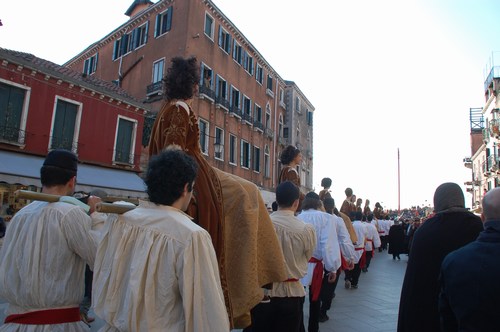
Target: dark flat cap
{"type": "Point", "coordinates": [63, 159]}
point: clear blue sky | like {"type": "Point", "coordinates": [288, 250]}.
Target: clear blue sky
{"type": "Point", "coordinates": [382, 75]}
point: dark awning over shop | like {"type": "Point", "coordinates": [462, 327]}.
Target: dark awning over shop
{"type": "Point", "coordinates": [18, 168]}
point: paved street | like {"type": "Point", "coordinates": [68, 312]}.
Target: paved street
{"type": "Point", "coordinates": [373, 307]}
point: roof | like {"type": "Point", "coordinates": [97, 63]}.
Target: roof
{"type": "Point", "coordinates": [69, 75]}
{"type": "Point", "coordinates": [130, 9]}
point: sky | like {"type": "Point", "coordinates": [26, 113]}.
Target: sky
{"type": "Point", "coordinates": [382, 75]}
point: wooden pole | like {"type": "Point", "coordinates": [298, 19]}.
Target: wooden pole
{"type": "Point", "coordinates": [113, 208]}
{"type": "Point", "coordinates": [399, 187]}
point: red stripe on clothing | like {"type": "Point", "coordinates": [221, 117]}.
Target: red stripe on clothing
{"type": "Point", "coordinates": [44, 317]}
{"type": "Point", "coordinates": [317, 278]}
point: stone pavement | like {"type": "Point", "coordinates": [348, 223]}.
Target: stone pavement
{"type": "Point", "coordinates": [373, 307]}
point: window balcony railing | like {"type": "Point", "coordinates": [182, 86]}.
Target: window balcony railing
{"type": "Point", "coordinates": [12, 135]}
{"type": "Point", "coordinates": [154, 89]}
{"type": "Point", "coordinates": [257, 125]}
{"type": "Point", "coordinates": [207, 92]}
{"type": "Point", "coordinates": [124, 157]}
{"type": "Point", "coordinates": [63, 143]}
{"type": "Point", "coordinates": [221, 102]}
{"type": "Point", "coordinates": [247, 118]}
{"type": "Point", "coordinates": [269, 133]}
{"type": "Point", "coordinates": [270, 93]}
{"type": "Point", "coordinates": [282, 141]}
{"type": "Point", "coordinates": [235, 111]}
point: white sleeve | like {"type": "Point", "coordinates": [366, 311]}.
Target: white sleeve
{"type": "Point", "coordinates": [200, 289]}
{"type": "Point", "coordinates": [330, 245]}
{"type": "Point", "coordinates": [376, 238]}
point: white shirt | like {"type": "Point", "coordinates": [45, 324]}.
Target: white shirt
{"type": "Point", "coordinates": [372, 238]}
{"type": "Point", "coordinates": [156, 270]}
{"type": "Point", "coordinates": [361, 233]}
{"type": "Point", "coordinates": [346, 246]}
{"type": "Point", "coordinates": [327, 245]}
{"type": "Point", "coordinates": [42, 261]}
{"type": "Point", "coordinates": [298, 241]}
{"type": "Point", "coordinates": [381, 227]}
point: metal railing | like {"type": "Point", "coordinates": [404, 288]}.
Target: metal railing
{"type": "Point", "coordinates": [235, 111]}
{"type": "Point", "coordinates": [12, 134]}
{"type": "Point", "coordinates": [222, 102]}
{"type": "Point", "coordinates": [206, 91]}
{"type": "Point", "coordinates": [63, 143]}
{"type": "Point", "coordinates": [269, 133]}
{"type": "Point", "coordinates": [155, 88]}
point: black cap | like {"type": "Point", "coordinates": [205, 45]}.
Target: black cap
{"type": "Point", "coordinates": [63, 159]}
{"type": "Point", "coordinates": [313, 195]}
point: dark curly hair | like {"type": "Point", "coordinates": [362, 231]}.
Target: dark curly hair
{"type": "Point", "coordinates": [326, 182]}
{"type": "Point", "coordinates": [182, 76]}
{"type": "Point", "coordinates": [167, 174]}
{"type": "Point", "coordinates": [289, 154]}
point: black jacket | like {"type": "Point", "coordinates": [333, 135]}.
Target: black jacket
{"type": "Point", "coordinates": [434, 239]}
{"type": "Point", "coordinates": [470, 287]}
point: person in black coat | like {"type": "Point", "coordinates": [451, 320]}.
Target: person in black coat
{"type": "Point", "coordinates": [396, 240]}
{"type": "Point", "coordinates": [470, 275]}
{"type": "Point", "coordinates": [451, 228]}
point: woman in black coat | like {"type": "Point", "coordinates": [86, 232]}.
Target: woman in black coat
{"type": "Point", "coordinates": [396, 240]}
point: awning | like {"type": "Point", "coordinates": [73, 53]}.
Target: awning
{"type": "Point", "coordinates": [18, 168]}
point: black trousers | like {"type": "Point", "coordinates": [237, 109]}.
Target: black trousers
{"type": "Point", "coordinates": [353, 275]}
{"type": "Point", "coordinates": [314, 306]}
{"type": "Point", "coordinates": [281, 314]}
{"type": "Point", "coordinates": [369, 255]}
{"type": "Point", "coordinates": [328, 292]}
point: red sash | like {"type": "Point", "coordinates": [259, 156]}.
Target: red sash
{"type": "Point", "coordinates": [373, 248]}
{"type": "Point", "coordinates": [291, 280]}
{"type": "Point", "coordinates": [362, 260]}
{"type": "Point", "coordinates": [44, 317]}
{"type": "Point", "coordinates": [345, 263]}
{"type": "Point", "coordinates": [317, 278]}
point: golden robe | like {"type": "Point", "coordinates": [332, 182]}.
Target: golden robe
{"type": "Point", "coordinates": [232, 210]}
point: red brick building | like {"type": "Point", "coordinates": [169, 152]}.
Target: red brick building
{"type": "Point", "coordinates": [242, 100]}
{"type": "Point", "coordinates": [44, 106]}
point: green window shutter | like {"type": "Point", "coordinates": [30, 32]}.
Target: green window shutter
{"type": "Point", "coordinates": [64, 125]}
{"type": "Point", "coordinates": [124, 141]}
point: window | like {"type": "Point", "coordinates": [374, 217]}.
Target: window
{"type": "Point", "coordinates": [14, 100]}
{"type": "Point", "coordinates": [219, 143]}
{"type": "Point", "coordinates": [139, 36]}
{"type": "Point", "coordinates": [256, 159]}
{"type": "Point", "coordinates": [259, 74]}
{"type": "Point", "coordinates": [285, 132]}
{"type": "Point", "coordinates": [237, 52]}
{"type": "Point", "coordinates": [268, 116]}
{"type": "Point", "coordinates": [158, 67]}
{"type": "Point", "coordinates": [247, 107]}
{"type": "Point", "coordinates": [163, 22]}
{"type": "Point", "coordinates": [90, 65]}
{"type": "Point", "coordinates": [298, 131]}
{"type": "Point", "coordinates": [282, 96]}
{"type": "Point", "coordinates": [297, 104]}
{"type": "Point", "coordinates": [65, 125]}
{"type": "Point", "coordinates": [235, 98]}
{"type": "Point", "coordinates": [209, 26]}
{"type": "Point", "coordinates": [206, 76]}
{"type": "Point", "coordinates": [258, 114]}
{"type": "Point", "coordinates": [248, 63]}
{"type": "Point", "coordinates": [203, 136]}
{"type": "Point", "coordinates": [232, 149]}
{"type": "Point", "coordinates": [221, 89]}
{"type": "Point", "coordinates": [121, 46]}
{"type": "Point", "coordinates": [126, 130]}
{"type": "Point", "coordinates": [245, 154]}
{"type": "Point", "coordinates": [280, 126]}
{"type": "Point", "coordinates": [269, 82]}
{"type": "Point", "coordinates": [309, 118]}
{"type": "Point", "coordinates": [267, 162]}
{"type": "Point", "coordinates": [224, 40]}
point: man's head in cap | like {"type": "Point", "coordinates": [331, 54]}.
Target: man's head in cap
{"type": "Point", "coordinates": [448, 195]}
{"type": "Point", "coordinates": [59, 169]}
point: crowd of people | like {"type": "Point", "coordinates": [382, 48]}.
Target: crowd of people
{"type": "Point", "coordinates": [204, 254]}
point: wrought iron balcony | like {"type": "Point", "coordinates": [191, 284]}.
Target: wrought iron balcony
{"type": "Point", "coordinates": [282, 141]}
{"type": "Point", "coordinates": [223, 103]}
{"type": "Point", "coordinates": [206, 92]}
{"type": "Point", "coordinates": [257, 125]}
{"type": "Point", "coordinates": [154, 89]}
{"type": "Point", "coordinates": [247, 118]}
{"type": "Point", "coordinates": [235, 111]}
{"type": "Point", "coordinates": [63, 143]}
{"type": "Point", "coordinates": [124, 157]}
{"type": "Point", "coordinates": [12, 134]}
{"type": "Point", "coordinates": [468, 162]}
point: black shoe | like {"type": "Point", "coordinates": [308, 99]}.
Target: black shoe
{"type": "Point", "coordinates": [323, 318]}
{"type": "Point", "coordinates": [354, 286]}
{"type": "Point", "coordinates": [364, 269]}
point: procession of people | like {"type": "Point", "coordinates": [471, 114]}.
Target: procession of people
{"type": "Point", "coordinates": [203, 253]}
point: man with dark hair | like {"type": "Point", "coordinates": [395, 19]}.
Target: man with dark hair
{"type": "Point", "coordinates": [469, 277]}
{"type": "Point", "coordinates": [352, 276]}
{"type": "Point", "coordinates": [348, 205]}
{"type": "Point", "coordinates": [326, 255]}
{"type": "Point", "coordinates": [155, 269]}
{"type": "Point", "coordinates": [284, 310]}
{"type": "Point", "coordinates": [326, 183]}
{"type": "Point", "coordinates": [46, 248]}
{"type": "Point", "coordinates": [451, 228]}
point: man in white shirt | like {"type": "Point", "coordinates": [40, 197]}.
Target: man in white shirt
{"type": "Point", "coordinates": [352, 276]}
{"type": "Point", "coordinates": [155, 269]}
{"type": "Point", "coordinates": [326, 255]}
{"type": "Point", "coordinates": [46, 248]}
{"type": "Point", "coordinates": [372, 241]}
{"type": "Point", "coordinates": [298, 240]}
